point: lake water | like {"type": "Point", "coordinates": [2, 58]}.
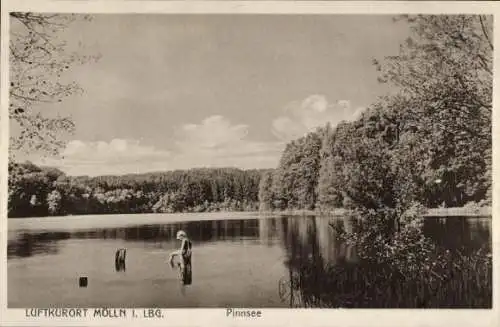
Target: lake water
{"type": "Point", "coordinates": [239, 260]}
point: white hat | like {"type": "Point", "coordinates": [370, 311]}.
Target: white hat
{"type": "Point", "coordinates": [181, 234]}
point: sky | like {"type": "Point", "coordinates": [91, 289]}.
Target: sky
{"type": "Point", "coordinates": [183, 91]}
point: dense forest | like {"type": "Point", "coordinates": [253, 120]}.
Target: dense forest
{"type": "Point", "coordinates": [40, 191]}
{"type": "Point", "coordinates": [382, 160]}
{"type": "Point", "coordinates": [428, 142]}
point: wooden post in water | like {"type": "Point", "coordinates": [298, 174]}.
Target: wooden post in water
{"type": "Point", "coordinates": [83, 281]}
{"type": "Point", "coordinates": [120, 257]}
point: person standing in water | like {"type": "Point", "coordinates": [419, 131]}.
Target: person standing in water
{"type": "Point", "coordinates": [184, 254]}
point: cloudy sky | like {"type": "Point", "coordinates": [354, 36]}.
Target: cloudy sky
{"type": "Point", "coordinates": [182, 91]}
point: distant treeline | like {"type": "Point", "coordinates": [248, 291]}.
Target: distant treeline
{"type": "Point", "coordinates": [395, 154]}
{"type": "Point", "coordinates": [38, 191]}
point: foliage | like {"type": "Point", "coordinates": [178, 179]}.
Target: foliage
{"type": "Point", "coordinates": [28, 185]}
{"type": "Point", "coordinates": [294, 183]}
{"type": "Point", "coordinates": [460, 282]}
{"type": "Point", "coordinates": [452, 51]}
{"type": "Point", "coordinates": [54, 202]}
{"type": "Point", "coordinates": [265, 191]}
{"type": "Point", "coordinates": [429, 141]}
{"type": "Point", "coordinates": [444, 79]}
{"type": "Point", "coordinates": [388, 237]}
{"type": "Point", "coordinates": [35, 191]}
{"type": "Point", "coordinates": [426, 144]}
{"type": "Point", "coordinates": [39, 59]}
{"type": "Point", "coordinates": [393, 267]}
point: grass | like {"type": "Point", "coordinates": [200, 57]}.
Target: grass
{"type": "Point", "coordinates": [464, 281]}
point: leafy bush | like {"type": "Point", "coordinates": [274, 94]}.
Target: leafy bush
{"type": "Point", "coordinates": [399, 267]}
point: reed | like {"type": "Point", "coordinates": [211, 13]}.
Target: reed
{"type": "Point", "coordinates": [463, 281]}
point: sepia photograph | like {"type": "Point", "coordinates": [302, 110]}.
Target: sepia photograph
{"type": "Point", "coordinates": [177, 160]}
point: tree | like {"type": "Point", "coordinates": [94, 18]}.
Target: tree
{"type": "Point", "coordinates": [329, 192]}
{"type": "Point", "coordinates": [170, 202]}
{"type": "Point", "coordinates": [308, 171]}
{"type": "Point", "coordinates": [444, 79]}
{"type": "Point", "coordinates": [329, 196]}
{"type": "Point", "coordinates": [265, 191]}
{"type": "Point", "coordinates": [54, 202]}
{"type": "Point", "coordinates": [444, 50]}
{"type": "Point", "coordinates": [38, 60]}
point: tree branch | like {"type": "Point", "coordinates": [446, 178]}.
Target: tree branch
{"type": "Point", "coordinates": [485, 32]}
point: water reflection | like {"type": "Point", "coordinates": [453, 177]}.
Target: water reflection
{"type": "Point", "coordinates": [325, 272]}
{"type": "Point", "coordinates": [302, 237]}
{"type": "Point", "coordinates": [310, 246]}
{"type": "Point", "coordinates": [313, 238]}
{"type": "Point", "coordinates": [459, 233]}
{"type": "Point", "coordinates": [26, 244]}
{"type": "Point", "coordinates": [29, 244]}
{"type": "Point", "coordinates": [267, 229]}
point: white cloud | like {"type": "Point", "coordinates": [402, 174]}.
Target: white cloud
{"type": "Point", "coordinates": [119, 156]}
{"type": "Point", "coordinates": [213, 132]}
{"type": "Point", "coordinates": [117, 150]}
{"type": "Point", "coordinates": [301, 117]}
{"type": "Point", "coordinates": [214, 142]}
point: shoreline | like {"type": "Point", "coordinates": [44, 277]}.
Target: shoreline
{"type": "Point", "coordinates": [127, 220]}
{"type": "Point", "coordinates": [431, 212]}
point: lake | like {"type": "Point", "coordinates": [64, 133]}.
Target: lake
{"type": "Point", "coordinates": [239, 259]}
